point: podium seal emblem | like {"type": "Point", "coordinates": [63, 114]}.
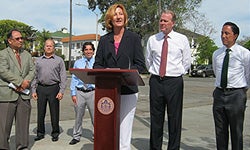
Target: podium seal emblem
{"type": "Point", "coordinates": [105, 105]}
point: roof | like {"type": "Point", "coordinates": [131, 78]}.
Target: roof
{"type": "Point", "coordinates": [59, 34]}
{"type": "Point", "coordinates": [81, 38]}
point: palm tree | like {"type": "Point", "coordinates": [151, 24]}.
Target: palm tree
{"type": "Point", "coordinates": [41, 37]}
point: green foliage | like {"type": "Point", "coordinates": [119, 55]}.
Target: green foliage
{"type": "Point", "coordinates": [247, 45]}
{"type": "Point", "coordinates": [41, 37]}
{"type": "Point", "coordinates": [58, 52]}
{"type": "Point", "coordinates": [144, 14]}
{"type": "Point", "coordinates": [7, 25]}
{"type": "Point", "coordinates": [205, 50]}
{"type": "Point", "coordinates": [245, 42]}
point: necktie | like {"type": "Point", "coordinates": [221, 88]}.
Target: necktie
{"type": "Point", "coordinates": [18, 58]}
{"type": "Point", "coordinates": [85, 86]}
{"type": "Point", "coordinates": [164, 54]}
{"type": "Point", "coordinates": [86, 64]}
{"type": "Point", "coordinates": [224, 71]}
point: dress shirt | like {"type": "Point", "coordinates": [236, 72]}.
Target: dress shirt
{"type": "Point", "coordinates": [238, 67]}
{"type": "Point", "coordinates": [50, 71]}
{"type": "Point", "coordinates": [179, 54]}
{"type": "Point", "coordinates": [76, 82]}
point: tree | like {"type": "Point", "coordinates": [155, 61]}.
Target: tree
{"type": "Point", "coordinates": [144, 18]}
{"type": "Point", "coordinates": [198, 23]}
{"type": "Point", "coordinates": [247, 45]}
{"type": "Point", "coordinates": [205, 50]}
{"type": "Point", "coordinates": [144, 14]}
{"type": "Point", "coordinates": [7, 25]}
{"type": "Point", "coordinates": [245, 42]}
{"type": "Point", "coordinates": [41, 37]}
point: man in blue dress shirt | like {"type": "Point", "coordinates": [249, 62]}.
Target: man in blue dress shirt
{"type": "Point", "coordinates": [82, 94]}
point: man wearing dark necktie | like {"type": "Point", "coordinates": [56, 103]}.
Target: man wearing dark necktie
{"type": "Point", "coordinates": [82, 94]}
{"type": "Point", "coordinates": [168, 58]}
{"type": "Point", "coordinates": [231, 67]}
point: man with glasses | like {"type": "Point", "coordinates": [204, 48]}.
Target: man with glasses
{"type": "Point", "coordinates": [16, 69]}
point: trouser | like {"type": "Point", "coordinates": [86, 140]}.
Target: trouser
{"type": "Point", "coordinates": [165, 92]}
{"type": "Point", "coordinates": [20, 110]}
{"type": "Point", "coordinates": [127, 112]}
{"type": "Point", "coordinates": [48, 94]}
{"type": "Point", "coordinates": [228, 111]}
{"type": "Point", "coordinates": [83, 100]}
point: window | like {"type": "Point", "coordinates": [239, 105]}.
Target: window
{"type": "Point", "coordinates": [78, 45]}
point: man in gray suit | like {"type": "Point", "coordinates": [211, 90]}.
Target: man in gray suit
{"type": "Point", "coordinates": [16, 68]}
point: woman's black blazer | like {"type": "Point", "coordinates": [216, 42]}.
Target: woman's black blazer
{"type": "Point", "coordinates": [129, 56]}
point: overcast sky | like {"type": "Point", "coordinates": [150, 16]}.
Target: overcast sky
{"type": "Point", "coordinates": [53, 15]}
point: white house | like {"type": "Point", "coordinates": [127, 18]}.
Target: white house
{"type": "Point", "coordinates": [77, 42]}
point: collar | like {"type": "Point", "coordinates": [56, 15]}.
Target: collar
{"type": "Point", "coordinates": [16, 51]}
{"type": "Point", "coordinates": [232, 48]}
{"type": "Point", "coordinates": [46, 57]}
{"type": "Point", "coordinates": [169, 35]}
{"type": "Point", "coordinates": [89, 60]}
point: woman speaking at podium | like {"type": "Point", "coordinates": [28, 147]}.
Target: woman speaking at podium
{"type": "Point", "coordinates": [121, 48]}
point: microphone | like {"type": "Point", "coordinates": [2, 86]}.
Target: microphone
{"type": "Point", "coordinates": [129, 62]}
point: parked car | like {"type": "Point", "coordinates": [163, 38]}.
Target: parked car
{"type": "Point", "coordinates": [203, 71]}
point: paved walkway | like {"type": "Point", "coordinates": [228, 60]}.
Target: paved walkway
{"type": "Point", "coordinates": [197, 129]}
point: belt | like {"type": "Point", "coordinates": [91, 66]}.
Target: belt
{"type": "Point", "coordinates": [85, 90]}
{"type": "Point", "coordinates": [45, 85]}
{"type": "Point", "coordinates": [164, 77]}
{"type": "Point", "coordinates": [228, 89]}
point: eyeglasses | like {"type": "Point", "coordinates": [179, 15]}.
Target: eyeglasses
{"type": "Point", "coordinates": [18, 38]}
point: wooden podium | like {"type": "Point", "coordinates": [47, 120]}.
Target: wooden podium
{"type": "Point", "coordinates": [107, 102]}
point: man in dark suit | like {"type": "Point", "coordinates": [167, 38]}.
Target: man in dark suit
{"type": "Point", "coordinates": [16, 67]}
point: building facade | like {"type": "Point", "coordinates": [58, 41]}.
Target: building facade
{"type": "Point", "coordinates": [76, 45]}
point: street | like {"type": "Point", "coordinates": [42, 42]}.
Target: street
{"type": "Point", "coordinates": [197, 92]}
{"type": "Point", "coordinates": [197, 127]}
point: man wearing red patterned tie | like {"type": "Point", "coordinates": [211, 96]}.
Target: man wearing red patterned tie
{"type": "Point", "coordinates": [14, 103]}
{"type": "Point", "coordinates": [168, 58]}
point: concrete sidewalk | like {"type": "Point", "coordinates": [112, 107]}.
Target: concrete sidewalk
{"type": "Point", "coordinates": [197, 125]}
{"type": "Point", "coordinates": [197, 133]}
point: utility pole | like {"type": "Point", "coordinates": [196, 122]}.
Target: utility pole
{"type": "Point", "coordinates": [159, 7]}
{"type": "Point", "coordinates": [70, 34]}
{"type": "Point", "coordinates": [159, 10]}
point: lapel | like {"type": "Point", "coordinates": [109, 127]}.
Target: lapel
{"type": "Point", "coordinates": [111, 45]}
{"type": "Point", "coordinates": [122, 50]}
{"type": "Point", "coordinates": [13, 57]}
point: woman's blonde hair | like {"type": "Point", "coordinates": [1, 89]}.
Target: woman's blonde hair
{"type": "Point", "coordinates": [111, 13]}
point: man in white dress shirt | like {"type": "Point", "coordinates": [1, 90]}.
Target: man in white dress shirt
{"type": "Point", "coordinates": [166, 89]}
{"type": "Point", "coordinates": [230, 96]}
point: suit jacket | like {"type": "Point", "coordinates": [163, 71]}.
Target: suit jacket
{"type": "Point", "coordinates": [129, 56]}
{"type": "Point", "coordinates": [10, 72]}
